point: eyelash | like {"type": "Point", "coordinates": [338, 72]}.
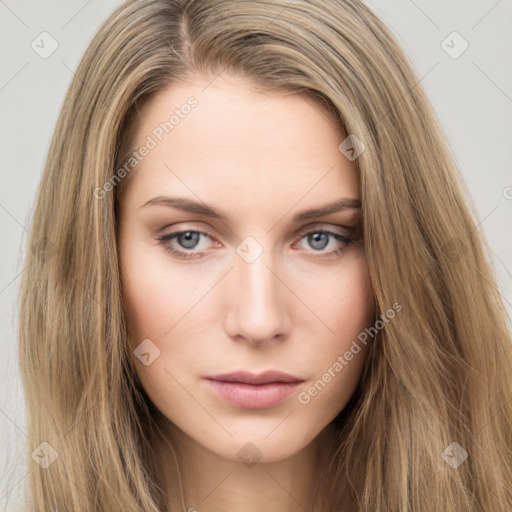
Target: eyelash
{"type": "Point", "coordinates": [189, 255]}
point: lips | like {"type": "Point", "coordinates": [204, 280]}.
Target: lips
{"type": "Point", "coordinates": [249, 378]}
{"type": "Point", "coordinates": [249, 391]}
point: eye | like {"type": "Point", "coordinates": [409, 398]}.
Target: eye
{"type": "Point", "coordinates": [317, 239]}
{"type": "Point", "coordinates": [187, 239]}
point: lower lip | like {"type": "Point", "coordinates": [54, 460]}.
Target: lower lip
{"type": "Point", "coordinates": [252, 396]}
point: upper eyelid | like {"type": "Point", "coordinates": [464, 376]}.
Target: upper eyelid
{"type": "Point", "coordinates": [316, 227]}
{"type": "Point", "coordinates": [321, 226]}
{"type": "Point", "coordinates": [328, 226]}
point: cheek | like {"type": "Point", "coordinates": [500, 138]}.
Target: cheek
{"type": "Point", "coordinates": [354, 307]}
{"type": "Point", "coordinates": [342, 299]}
{"type": "Point", "coordinates": [154, 302]}
{"type": "Point", "coordinates": [346, 304]}
{"type": "Point", "coordinates": [153, 297]}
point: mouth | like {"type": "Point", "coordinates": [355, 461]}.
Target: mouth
{"type": "Point", "coordinates": [249, 391]}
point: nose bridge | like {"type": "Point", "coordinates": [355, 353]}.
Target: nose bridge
{"type": "Point", "coordinates": [259, 305]}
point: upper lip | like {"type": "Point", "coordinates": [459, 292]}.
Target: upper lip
{"type": "Point", "coordinates": [251, 378]}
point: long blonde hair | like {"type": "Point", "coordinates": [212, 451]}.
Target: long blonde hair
{"type": "Point", "coordinates": [438, 374]}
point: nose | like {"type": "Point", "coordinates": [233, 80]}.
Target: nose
{"type": "Point", "coordinates": [259, 301]}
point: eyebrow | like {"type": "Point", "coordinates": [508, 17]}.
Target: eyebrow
{"type": "Point", "coordinates": [200, 208]}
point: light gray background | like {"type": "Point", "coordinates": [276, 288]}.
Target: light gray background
{"type": "Point", "coordinates": [471, 94]}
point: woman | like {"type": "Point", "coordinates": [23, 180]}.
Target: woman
{"type": "Point", "coordinates": [258, 283]}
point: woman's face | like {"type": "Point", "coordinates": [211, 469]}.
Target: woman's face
{"type": "Point", "coordinates": [255, 284]}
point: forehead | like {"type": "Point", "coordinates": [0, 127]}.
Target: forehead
{"type": "Point", "coordinates": [226, 141]}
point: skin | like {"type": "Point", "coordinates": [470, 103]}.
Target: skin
{"type": "Point", "coordinates": [259, 159]}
